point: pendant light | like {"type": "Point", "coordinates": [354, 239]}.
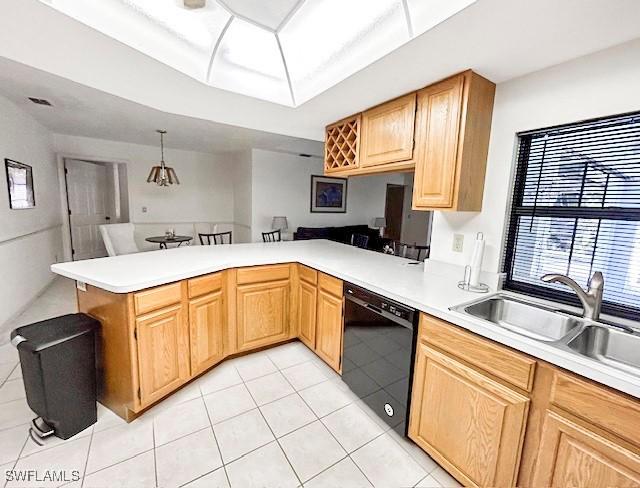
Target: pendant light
{"type": "Point", "coordinates": [162, 175]}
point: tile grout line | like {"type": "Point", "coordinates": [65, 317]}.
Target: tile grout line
{"type": "Point", "coordinates": [15, 463]}
{"type": "Point", "coordinates": [271, 430]}
{"type": "Point", "coordinates": [86, 462]}
{"type": "Point", "coordinates": [155, 460]}
{"type": "Point", "coordinates": [215, 438]}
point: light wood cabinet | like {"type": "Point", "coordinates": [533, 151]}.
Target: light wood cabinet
{"type": "Point", "coordinates": [387, 132]}
{"type": "Point", "coordinates": [306, 316]}
{"type": "Point", "coordinates": [154, 341]}
{"type": "Point", "coordinates": [163, 352]}
{"type": "Point", "coordinates": [262, 311]}
{"type": "Point", "coordinates": [453, 123]}
{"type": "Point", "coordinates": [342, 145]}
{"type": "Point", "coordinates": [572, 455]}
{"type": "Point", "coordinates": [492, 416]}
{"type": "Point", "coordinates": [329, 329]}
{"type": "Point", "coordinates": [206, 331]}
{"type": "Point", "coordinates": [468, 422]}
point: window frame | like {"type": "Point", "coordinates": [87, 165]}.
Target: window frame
{"type": "Point", "coordinates": [517, 210]}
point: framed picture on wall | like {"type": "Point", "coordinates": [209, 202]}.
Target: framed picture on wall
{"type": "Point", "coordinates": [20, 184]}
{"type": "Point", "coordinates": [328, 195]}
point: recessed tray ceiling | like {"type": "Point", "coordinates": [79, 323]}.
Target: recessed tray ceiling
{"type": "Point", "coordinates": [282, 51]}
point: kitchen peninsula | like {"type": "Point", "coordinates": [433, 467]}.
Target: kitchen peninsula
{"type": "Point", "coordinates": [168, 316]}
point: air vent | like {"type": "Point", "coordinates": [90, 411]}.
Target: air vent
{"type": "Point", "coordinates": [195, 3]}
{"type": "Point", "coordinates": [41, 101]}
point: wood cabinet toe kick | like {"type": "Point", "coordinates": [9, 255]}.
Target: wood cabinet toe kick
{"type": "Point", "coordinates": [154, 341]}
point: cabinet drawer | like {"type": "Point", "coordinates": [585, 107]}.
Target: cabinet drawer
{"type": "Point", "coordinates": [499, 361]}
{"type": "Point", "coordinates": [155, 298]}
{"type": "Point", "coordinates": [258, 274]}
{"type": "Point", "coordinates": [330, 284]}
{"type": "Point", "coordinates": [204, 284]}
{"type": "Point", "coordinates": [599, 406]}
{"type": "Point", "coordinates": [307, 274]}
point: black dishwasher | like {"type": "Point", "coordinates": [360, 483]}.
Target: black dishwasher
{"type": "Point", "coordinates": [379, 346]}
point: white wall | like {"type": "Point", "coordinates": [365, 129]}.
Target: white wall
{"type": "Point", "coordinates": [282, 185]}
{"type": "Point", "coordinates": [30, 239]}
{"type": "Point", "coordinates": [600, 84]}
{"type": "Point", "coordinates": [242, 172]}
{"type": "Point", "coordinates": [205, 193]}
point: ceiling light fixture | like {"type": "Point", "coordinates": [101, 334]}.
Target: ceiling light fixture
{"type": "Point", "coordinates": [162, 175]}
{"type": "Point", "coordinates": [195, 3]}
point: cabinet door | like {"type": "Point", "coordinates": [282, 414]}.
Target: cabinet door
{"type": "Point", "coordinates": [206, 331]}
{"type": "Point", "coordinates": [387, 132]}
{"type": "Point", "coordinates": [437, 135]}
{"type": "Point", "coordinates": [329, 328]}
{"type": "Point", "coordinates": [163, 353]}
{"type": "Point", "coordinates": [469, 423]}
{"type": "Point", "coordinates": [571, 455]}
{"type": "Point", "coordinates": [262, 313]}
{"type": "Point", "coordinates": [307, 304]}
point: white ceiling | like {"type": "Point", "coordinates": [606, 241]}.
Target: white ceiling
{"type": "Point", "coordinates": [282, 51]}
{"type": "Point", "coordinates": [81, 111]}
{"type": "Point", "coordinates": [500, 39]}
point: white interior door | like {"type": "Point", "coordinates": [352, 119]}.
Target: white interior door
{"type": "Point", "coordinates": [87, 191]}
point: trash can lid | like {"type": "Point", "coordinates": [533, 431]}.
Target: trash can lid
{"type": "Point", "coordinates": [47, 333]}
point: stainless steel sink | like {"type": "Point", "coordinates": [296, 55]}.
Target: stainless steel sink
{"type": "Point", "coordinates": [524, 318]}
{"type": "Point", "coordinates": [617, 348]}
{"type": "Point", "coordinates": [615, 345]}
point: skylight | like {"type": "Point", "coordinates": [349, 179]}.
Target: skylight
{"type": "Point", "coordinates": [282, 51]}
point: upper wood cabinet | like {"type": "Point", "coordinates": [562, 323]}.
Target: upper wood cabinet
{"type": "Point", "coordinates": [342, 145]}
{"type": "Point", "coordinates": [468, 422]}
{"type": "Point", "coordinates": [163, 353]}
{"type": "Point", "coordinates": [441, 132]}
{"type": "Point", "coordinates": [387, 132]}
{"type": "Point", "coordinates": [453, 124]}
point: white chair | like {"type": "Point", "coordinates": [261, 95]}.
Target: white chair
{"type": "Point", "coordinates": [118, 239]}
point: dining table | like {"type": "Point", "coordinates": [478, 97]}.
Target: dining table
{"type": "Point", "coordinates": [164, 241]}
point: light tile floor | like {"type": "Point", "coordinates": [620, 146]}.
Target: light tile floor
{"type": "Point", "coordinates": [275, 418]}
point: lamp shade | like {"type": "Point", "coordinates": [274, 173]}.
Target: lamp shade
{"type": "Point", "coordinates": [279, 223]}
{"type": "Point", "coordinates": [379, 222]}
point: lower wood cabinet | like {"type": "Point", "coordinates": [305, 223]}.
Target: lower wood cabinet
{"type": "Point", "coordinates": [573, 455]}
{"type": "Point", "coordinates": [306, 314]}
{"type": "Point", "coordinates": [163, 352]}
{"type": "Point", "coordinates": [262, 311]}
{"type": "Point", "coordinates": [329, 329]}
{"type": "Point", "coordinates": [206, 331]}
{"type": "Point", "coordinates": [492, 416]}
{"type": "Point", "coordinates": [468, 422]}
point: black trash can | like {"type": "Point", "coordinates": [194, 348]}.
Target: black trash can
{"type": "Point", "coordinates": [57, 357]}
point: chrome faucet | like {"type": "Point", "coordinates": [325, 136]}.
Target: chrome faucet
{"type": "Point", "coordinates": [591, 299]}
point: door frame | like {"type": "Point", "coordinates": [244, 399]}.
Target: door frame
{"type": "Point", "coordinates": [64, 197]}
{"type": "Point", "coordinates": [386, 194]}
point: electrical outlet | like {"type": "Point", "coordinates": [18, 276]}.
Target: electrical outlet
{"type": "Point", "coordinates": [458, 242]}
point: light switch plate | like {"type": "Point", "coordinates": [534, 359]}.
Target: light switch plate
{"type": "Point", "coordinates": [458, 242]}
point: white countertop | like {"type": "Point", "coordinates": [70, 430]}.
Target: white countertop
{"type": "Point", "coordinates": [432, 292]}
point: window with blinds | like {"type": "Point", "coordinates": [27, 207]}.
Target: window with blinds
{"type": "Point", "coordinates": [576, 210]}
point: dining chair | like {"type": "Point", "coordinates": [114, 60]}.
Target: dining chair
{"type": "Point", "coordinates": [412, 251]}
{"type": "Point", "coordinates": [360, 240]}
{"type": "Point", "coordinates": [218, 238]}
{"type": "Point", "coordinates": [118, 238]}
{"type": "Point", "coordinates": [273, 236]}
